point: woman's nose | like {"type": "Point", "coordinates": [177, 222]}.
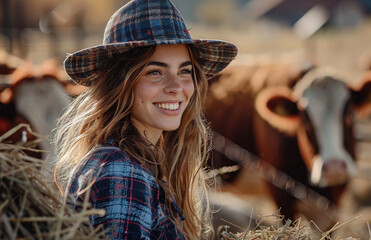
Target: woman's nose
{"type": "Point", "coordinates": [173, 85]}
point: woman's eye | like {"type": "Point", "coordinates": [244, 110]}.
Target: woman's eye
{"type": "Point", "coordinates": [186, 71]}
{"type": "Point", "coordinates": [153, 72]}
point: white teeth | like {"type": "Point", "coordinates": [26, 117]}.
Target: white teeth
{"type": "Point", "coordinates": [167, 106]}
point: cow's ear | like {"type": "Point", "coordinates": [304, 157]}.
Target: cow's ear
{"type": "Point", "coordinates": [8, 62]}
{"type": "Point", "coordinates": [278, 107]}
{"type": "Point", "coordinates": [362, 96]}
{"type": "Point", "coordinates": [6, 95]}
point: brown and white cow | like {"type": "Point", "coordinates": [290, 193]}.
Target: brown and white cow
{"type": "Point", "coordinates": [10, 118]}
{"type": "Point", "coordinates": [36, 95]}
{"type": "Point", "coordinates": [301, 126]}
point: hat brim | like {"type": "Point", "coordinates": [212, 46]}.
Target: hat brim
{"type": "Point", "coordinates": [85, 65]}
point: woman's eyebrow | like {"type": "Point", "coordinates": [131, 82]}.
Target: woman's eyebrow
{"type": "Point", "coordinates": [162, 64]}
{"type": "Point", "coordinates": [187, 63]}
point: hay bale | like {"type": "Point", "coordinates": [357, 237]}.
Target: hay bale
{"type": "Point", "coordinates": [29, 207]}
{"type": "Point", "coordinates": [296, 230]}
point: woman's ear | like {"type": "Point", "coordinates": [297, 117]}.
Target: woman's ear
{"type": "Point", "coordinates": [278, 107]}
{"type": "Point", "coordinates": [362, 95]}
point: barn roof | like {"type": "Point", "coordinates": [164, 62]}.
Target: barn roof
{"type": "Point", "coordinates": [339, 13]}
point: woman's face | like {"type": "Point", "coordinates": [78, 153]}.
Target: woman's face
{"type": "Point", "coordinates": [163, 91]}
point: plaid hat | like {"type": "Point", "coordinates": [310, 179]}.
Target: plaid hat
{"type": "Point", "coordinates": [144, 23]}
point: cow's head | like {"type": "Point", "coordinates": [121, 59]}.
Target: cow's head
{"type": "Point", "coordinates": [320, 112]}
{"type": "Point", "coordinates": [38, 93]}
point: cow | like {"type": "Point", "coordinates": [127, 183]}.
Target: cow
{"type": "Point", "coordinates": [10, 118]}
{"type": "Point", "coordinates": [236, 88]}
{"type": "Point", "coordinates": [36, 95]}
{"type": "Point", "coordinates": [300, 122]}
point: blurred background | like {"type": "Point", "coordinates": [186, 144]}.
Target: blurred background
{"type": "Point", "coordinates": [335, 32]}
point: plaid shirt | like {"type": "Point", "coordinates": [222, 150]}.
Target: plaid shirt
{"type": "Point", "coordinates": [132, 199]}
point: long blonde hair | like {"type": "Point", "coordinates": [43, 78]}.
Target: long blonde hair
{"type": "Point", "coordinates": [103, 111]}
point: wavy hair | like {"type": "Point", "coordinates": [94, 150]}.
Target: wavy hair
{"type": "Point", "coordinates": [179, 157]}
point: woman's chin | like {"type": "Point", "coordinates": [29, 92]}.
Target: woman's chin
{"type": "Point", "coordinates": [169, 128]}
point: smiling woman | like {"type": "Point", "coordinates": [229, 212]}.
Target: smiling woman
{"type": "Point", "coordinates": [138, 136]}
{"type": "Point", "coordinates": [163, 91]}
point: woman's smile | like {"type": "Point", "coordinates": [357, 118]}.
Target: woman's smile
{"type": "Point", "coordinates": [172, 106]}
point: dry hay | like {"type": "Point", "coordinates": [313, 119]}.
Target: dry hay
{"type": "Point", "coordinates": [289, 231]}
{"type": "Point", "coordinates": [29, 207]}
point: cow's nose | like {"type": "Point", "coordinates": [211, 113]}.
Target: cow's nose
{"type": "Point", "coordinates": [335, 172]}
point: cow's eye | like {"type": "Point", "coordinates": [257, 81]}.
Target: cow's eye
{"type": "Point", "coordinates": [348, 113]}
{"type": "Point", "coordinates": [307, 124]}
{"type": "Point", "coordinates": [306, 120]}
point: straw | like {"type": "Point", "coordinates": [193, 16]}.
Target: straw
{"type": "Point", "coordinates": [290, 230]}
{"type": "Point", "coordinates": [29, 207]}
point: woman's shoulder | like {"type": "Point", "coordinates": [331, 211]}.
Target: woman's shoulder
{"type": "Point", "coordinates": [112, 161]}
{"type": "Point", "coordinates": [105, 154]}
{"type": "Point", "coordinates": [112, 164]}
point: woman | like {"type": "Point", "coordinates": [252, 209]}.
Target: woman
{"type": "Point", "coordinates": [136, 141]}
